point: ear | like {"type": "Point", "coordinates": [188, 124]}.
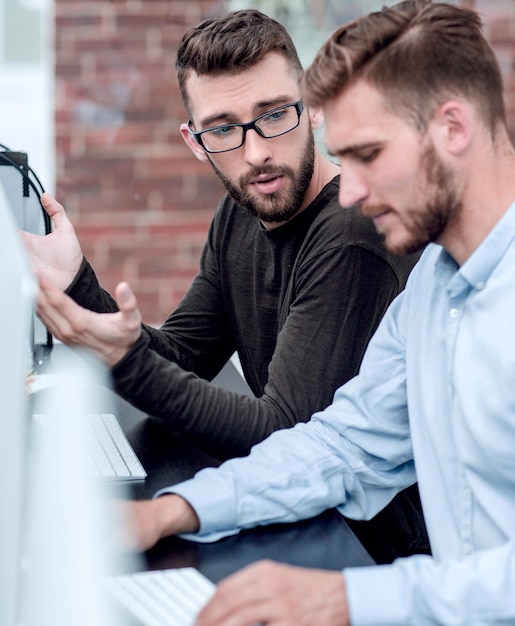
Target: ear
{"type": "Point", "coordinates": [197, 149]}
{"type": "Point", "coordinates": [316, 117]}
{"type": "Point", "coordinates": [454, 125]}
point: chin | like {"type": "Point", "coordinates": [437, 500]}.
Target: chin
{"type": "Point", "coordinates": [405, 247]}
{"type": "Point", "coordinates": [397, 245]}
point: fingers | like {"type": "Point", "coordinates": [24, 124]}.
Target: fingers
{"type": "Point", "coordinates": [50, 204]}
{"type": "Point", "coordinates": [128, 305]}
{"type": "Point", "coordinates": [109, 335]}
{"type": "Point", "coordinates": [55, 210]}
{"type": "Point", "coordinates": [145, 522]}
{"type": "Point", "coordinates": [125, 298]}
{"type": "Point", "coordinates": [276, 594]}
{"type": "Point", "coordinates": [56, 309]}
{"type": "Point", "coordinates": [135, 531]}
{"type": "Point", "coordinates": [241, 599]}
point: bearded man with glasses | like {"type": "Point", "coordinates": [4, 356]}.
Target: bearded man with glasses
{"type": "Point", "coordinates": [288, 280]}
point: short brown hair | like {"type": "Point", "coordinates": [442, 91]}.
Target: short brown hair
{"type": "Point", "coordinates": [230, 44]}
{"type": "Point", "coordinates": [418, 54]}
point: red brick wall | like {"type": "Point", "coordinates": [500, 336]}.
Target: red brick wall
{"type": "Point", "coordinates": [140, 202]}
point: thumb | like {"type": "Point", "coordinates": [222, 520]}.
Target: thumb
{"type": "Point", "coordinates": [52, 207]}
{"type": "Point", "coordinates": [126, 301]}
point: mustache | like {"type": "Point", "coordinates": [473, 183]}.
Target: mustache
{"type": "Point", "coordinates": [274, 170]}
{"type": "Point", "coordinates": [368, 210]}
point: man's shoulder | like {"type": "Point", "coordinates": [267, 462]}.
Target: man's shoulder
{"type": "Point", "coordinates": [348, 227]}
{"type": "Point", "coordinates": [345, 223]}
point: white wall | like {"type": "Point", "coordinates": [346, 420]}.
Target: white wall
{"type": "Point", "coordinates": [27, 84]}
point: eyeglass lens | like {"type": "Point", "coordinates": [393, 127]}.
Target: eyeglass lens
{"type": "Point", "coordinates": [270, 124]}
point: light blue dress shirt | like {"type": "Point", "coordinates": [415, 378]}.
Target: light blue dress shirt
{"type": "Point", "coordinates": [436, 393]}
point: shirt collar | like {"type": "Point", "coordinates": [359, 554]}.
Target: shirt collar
{"type": "Point", "coordinates": [478, 268]}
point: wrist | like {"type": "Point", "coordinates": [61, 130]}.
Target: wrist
{"type": "Point", "coordinates": [175, 515]}
{"type": "Point", "coordinates": [76, 273]}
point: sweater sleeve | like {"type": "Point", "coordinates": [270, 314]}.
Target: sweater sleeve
{"type": "Point", "coordinates": [87, 292]}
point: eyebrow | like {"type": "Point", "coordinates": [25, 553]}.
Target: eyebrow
{"type": "Point", "coordinates": [354, 149]}
{"type": "Point", "coordinates": [226, 117]}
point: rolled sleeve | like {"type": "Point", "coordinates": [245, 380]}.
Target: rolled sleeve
{"type": "Point", "coordinates": [213, 502]}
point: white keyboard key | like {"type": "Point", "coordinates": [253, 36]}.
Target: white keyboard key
{"type": "Point", "coordinates": [171, 597]}
{"type": "Point", "coordinates": [112, 454]}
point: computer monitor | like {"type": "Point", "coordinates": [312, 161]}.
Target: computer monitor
{"type": "Point", "coordinates": [22, 189]}
{"type": "Point", "coordinates": [17, 287]}
{"type": "Point", "coordinates": [70, 526]}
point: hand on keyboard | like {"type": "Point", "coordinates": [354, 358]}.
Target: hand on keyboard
{"type": "Point", "coordinates": [272, 593]}
{"type": "Point", "coordinates": [151, 520]}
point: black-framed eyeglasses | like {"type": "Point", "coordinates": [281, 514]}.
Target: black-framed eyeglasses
{"type": "Point", "coordinates": [273, 123]}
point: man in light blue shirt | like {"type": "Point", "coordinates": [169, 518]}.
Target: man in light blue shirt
{"type": "Point", "coordinates": [413, 105]}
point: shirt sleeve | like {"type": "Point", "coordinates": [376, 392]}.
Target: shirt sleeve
{"type": "Point", "coordinates": [345, 457]}
{"type": "Point", "coordinates": [474, 591]}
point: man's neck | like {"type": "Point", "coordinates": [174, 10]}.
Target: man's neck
{"type": "Point", "coordinates": [489, 191]}
{"type": "Point", "coordinates": [324, 171]}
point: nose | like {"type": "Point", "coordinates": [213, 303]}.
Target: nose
{"type": "Point", "coordinates": [353, 188]}
{"type": "Point", "coordinates": [258, 150]}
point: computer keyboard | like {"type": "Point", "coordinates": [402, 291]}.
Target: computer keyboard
{"type": "Point", "coordinates": [171, 597]}
{"type": "Point", "coordinates": [113, 456]}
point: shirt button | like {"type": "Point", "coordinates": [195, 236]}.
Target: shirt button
{"type": "Point", "coordinates": [467, 548]}
{"type": "Point", "coordinates": [454, 313]}
{"type": "Point", "coordinates": [480, 285]}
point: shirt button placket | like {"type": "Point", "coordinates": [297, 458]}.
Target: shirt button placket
{"type": "Point", "coordinates": [466, 515]}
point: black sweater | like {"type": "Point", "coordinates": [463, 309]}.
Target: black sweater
{"type": "Point", "coordinates": [298, 303]}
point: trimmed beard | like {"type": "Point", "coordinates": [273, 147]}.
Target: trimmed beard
{"type": "Point", "coordinates": [427, 221]}
{"type": "Point", "coordinates": [276, 207]}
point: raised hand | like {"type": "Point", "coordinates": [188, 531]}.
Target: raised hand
{"type": "Point", "coordinates": [109, 335]}
{"type": "Point", "coordinates": [56, 256]}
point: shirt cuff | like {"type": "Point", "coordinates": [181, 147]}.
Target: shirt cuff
{"type": "Point", "coordinates": [214, 505]}
{"type": "Point", "coordinates": [377, 595]}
